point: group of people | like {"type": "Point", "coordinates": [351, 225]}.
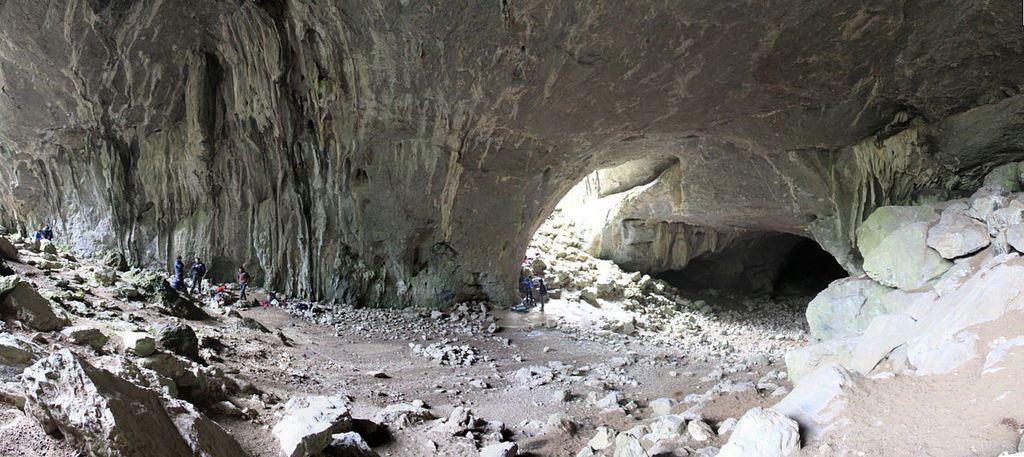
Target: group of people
{"type": "Point", "coordinates": [198, 272]}
{"type": "Point", "coordinates": [534, 291]}
{"type": "Point", "coordinates": [45, 233]}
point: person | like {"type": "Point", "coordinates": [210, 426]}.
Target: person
{"type": "Point", "coordinates": [177, 284]}
{"type": "Point", "coordinates": [198, 272]}
{"type": "Point", "coordinates": [243, 282]}
{"type": "Point", "coordinates": [37, 235]}
{"type": "Point", "coordinates": [527, 291]}
{"type": "Point", "coordinates": [179, 267]}
{"type": "Point", "coordinates": [47, 232]}
{"type": "Point", "coordinates": [542, 292]}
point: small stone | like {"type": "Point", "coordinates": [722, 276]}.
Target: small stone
{"type": "Point", "coordinates": [662, 406]}
{"type": "Point", "coordinates": [506, 449]}
{"type": "Point", "coordinates": [699, 430]}
{"type": "Point", "coordinates": [601, 439]}
{"type": "Point", "coordinates": [726, 426]}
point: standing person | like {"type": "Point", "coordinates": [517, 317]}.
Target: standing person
{"type": "Point", "coordinates": [179, 267]}
{"type": "Point", "coordinates": [198, 272]}
{"type": "Point", "coordinates": [527, 291]}
{"type": "Point", "coordinates": [542, 293]}
{"type": "Point", "coordinates": [47, 232]}
{"type": "Point", "coordinates": [37, 235]}
{"type": "Point", "coordinates": [243, 282]}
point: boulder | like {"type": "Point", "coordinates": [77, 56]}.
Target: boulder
{"type": "Point", "coordinates": [628, 445]}
{"type": "Point", "coordinates": [662, 406]}
{"type": "Point", "coordinates": [804, 360]}
{"type": "Point", "coordinates": [403, 414]}
{"type": "Point", "coordinates": [179, 339]}
{"type": "Point", "coordinates": [8, 283]}
{"type": "Point", "coordinates": [602, 438]}
{"type": "Point", "coordinates": [309, 422]}
{"type": "Point", "coordinates": [763, 433]}
{"type": "Point", "coordinates": [898, 255]}
{"type": "Point", "coordinates": [173, 304]}
{"type": "Point", "coordinates": [846, 306]}
{"type": "Point", "coordinates": [92, 337]}
{"type": "Point", "coordinates": [885, 333]}
{"type": "Point", "coordinates": [957, 235]}
{"type": "Point", "coordinates": [885, 220]}
{"type": "Point", "coordinates": [7, 250]}
{"type": "Point", "coordinates": [26, 305]}
{"type": "Point", "coordinates": [699, 430]}
{"type": "Point", "coordinates": [17, 351]}
{"type": "Point", "coordinates": [136, 343]}
{"type": "Point", "coordinates": [48, 247]}
{"type": "Point", "coordinates": [105, 415]}
{"type": "Point", "coordinates": [1004, 218]}
{"type": "Point", "coordinates": [349, 444]}
{"type": "Point", "coordinates": [1005, 177]}
{"type": "Point", "coordinates": [506, 449]}
{"type": "Point", "coordinates": [816, 402]}
{"type": "Point", "coordinates": [1015, 237]}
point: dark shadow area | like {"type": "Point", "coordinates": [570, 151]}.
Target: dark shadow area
{"type": "Point", "coordinates": [777, 264]}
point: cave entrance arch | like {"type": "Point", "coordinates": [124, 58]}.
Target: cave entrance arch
{"type": "Point", "coordinates": [598, 219]}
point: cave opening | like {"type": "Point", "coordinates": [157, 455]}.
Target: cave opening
{"type": "Point", "coordinates": [615, 223]}
{"type": "Point", "coordinates": [775, 264]}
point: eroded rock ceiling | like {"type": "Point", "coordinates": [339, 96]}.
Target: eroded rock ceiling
{"type": "Point", "coordinates": [396, 152]}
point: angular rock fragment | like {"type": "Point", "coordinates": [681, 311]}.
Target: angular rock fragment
{"type": "Point", "coordinates": [893, 242]}
{"type": "Point", "coordinates": [7, 250]}
{"type": "Point", "coordinates": [179, 339]}
{"type": "Point", "coordinates": [16, 351]}
{"type": "Point", "coordinates": [957, 235]}
{"type": "Point", "coordinates": [26, 305]}
{"type": "Point", "coordinates": [846, 306]}
{"type": "Point", "coordinates": [102, 414]}
{"type": "Point", "coordinates": [506, 449]}
{"type": "Point", "coordinates": [763, 433]}
{"type": "Point", "coordinates": [349, 444]}
{"type": "Point", "coordinates": [136, 343]}
{"type": "Point", "coordinates": [89, 336]}
{"type": "Point", "coordinates": [309, 422]}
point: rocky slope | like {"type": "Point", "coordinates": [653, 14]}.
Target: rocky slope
{"type": "Point", "coordinates": [392, 152]}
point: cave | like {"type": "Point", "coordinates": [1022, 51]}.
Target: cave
{"type": "Point", "coordinates": [778, 264]}
{"type": "Point", "coordinates": [383, 165]}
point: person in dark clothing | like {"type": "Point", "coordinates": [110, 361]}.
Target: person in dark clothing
{"type": "Point", "coordinates": [47, 232]}
{"type": "Point", "coordinates": [177, 283]}
{"type": "Point", "coordinates": [198, 273]}
{"type": "Point", "coordinates": [542, 292]}
{"type": "Point", "coordinates": [179, 267]}
{"type": "Point", "coordinates": [527, 291]}
{"type": "Point", "coordinates": [243, 282]}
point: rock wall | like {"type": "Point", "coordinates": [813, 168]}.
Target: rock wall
{"type": "Point", "coordinates": [394, 152]}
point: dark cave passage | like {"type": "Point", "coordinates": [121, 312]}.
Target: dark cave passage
{"type": "Point", "coordinates": [779, 264]}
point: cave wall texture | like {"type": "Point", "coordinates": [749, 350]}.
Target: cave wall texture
{"type": "Point", "coordinates": [395, 152]}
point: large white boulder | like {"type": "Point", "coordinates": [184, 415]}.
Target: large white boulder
{"type": "Point", "coordinates": [957, 235]}
{"type": "Point", "coordinates": [763, 433]}
{"type": "Point", "coordinates": [846, 306]}
{"type": "Point", "coordinates": [309, 422]}
{"type": "Point", "coordinates": [818, 399]}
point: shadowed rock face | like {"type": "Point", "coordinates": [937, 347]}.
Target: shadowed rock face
{"type": "Point", "coordinates": [397, 152]}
